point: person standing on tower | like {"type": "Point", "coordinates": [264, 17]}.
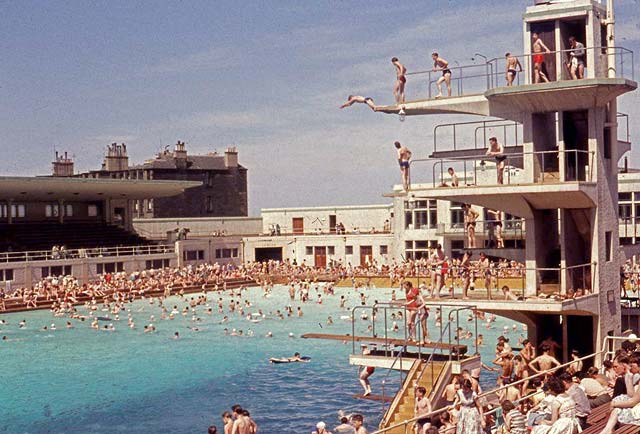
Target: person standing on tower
{"type": "Point", "coordinates": [401, 80]}
{"type": "Point", "coordinates": [439, 64]}
{"type": "Point", "coordinates": [404, 158]}
{"type": "Point", "coordinates": [539, 49]}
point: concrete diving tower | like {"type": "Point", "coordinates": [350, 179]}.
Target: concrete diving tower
{"type": "Point", "coordinates": [562, 177]}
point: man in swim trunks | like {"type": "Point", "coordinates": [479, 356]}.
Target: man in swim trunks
{"type": "Point", "coordinates": [365, 373]}
{"type": "Point", "coordinates": [404, 157]}
{"type": "Point", "coordinates": [352, 99]}
{"type": "Point", "coordinates": [411, 303]}
{"type": "Point", "coordinates": [401, 80]}
{"type": "Point", "coordinates": [576, 59]}
{"type": "Point", "coordinates": [539, 49]}
{"type": "Point", "coordinates": [465, 267]}
{"type": "Point", "coordinates": [439, 64]}
{"type": "Point", "coordinates": [422, 406]}
{"type": "Point", "coordinates": [470, 217]}
{"type": "Point", "coordinates": [497, 150]}
{"type": "Point", "coordinates": [512, 64]}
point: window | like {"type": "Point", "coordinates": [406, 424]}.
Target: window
{"type": "Point", "coordinates": [92, 210]}
{"type": "Point", "coordinates": [193, 255]}
{"type": "Point", "coordinates": [68, 210]}
{"type": "Point", "coordinates": [309, 250]}
{"type": "Point", "coordinates": [408, 220]}
{"type": "Point", "coordinates": [331, 250]}
{"type": "Point", "coordinates": [421, 219]}
{"type": "Point", "coordinates": [348, 250]}
{"type": "Point", "coordinates": [109, 267]}
{"type": "Point", "coordinates": [3, 210]}
{"type": "Point", "coordinates": [56, 271]}
{"type": "Point", "coordinates": [457, 244]}
{"type": "Point", "coordinates": [157, 264]}
{"type": "Point", "coordinates": [608, 240]}
{"type": "Point", "coordinates": [6, 275]}
{"type": "Point", "coordinates": [624, 211]}
{"type": "Point", "coordinates": [17, 211]}
{"type": "Point", "coordinates": [457, 215]}
{"type": "Point", "coordinates": [150, 205]}
{"type": "Point", "coordinates": [209, 203]}
{"type": "Point", "coordinates": [225, 253]}
{"type": "Point", "coordinates": [625, 241]}
{"type": "Point", "coordinates": [384, 250]}
{"type": "Point", "coordinates": [210, 178]}
{"type": "Point", "coordinates": [52, 210]}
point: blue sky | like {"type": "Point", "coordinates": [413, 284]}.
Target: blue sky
{"type": "Point", "coordinates": [264, 76]}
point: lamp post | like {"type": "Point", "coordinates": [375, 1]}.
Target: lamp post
{"type": "Point", "coordinates": [486, 65]}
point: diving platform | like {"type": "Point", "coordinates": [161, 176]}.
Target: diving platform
{"type": "Point", "coordinates": [383, 362]}
{"type": "Point", "coordinates": [511, 102]}
{"type": "Point", "coordinates": [558, 95]}
{"type": "Point", "coordinates": [512, 254]}
{"type": "Point", "coordinates": [516, 199]}
{"type": "Point", "coordinates": [378, 398]}
{"type": "Point", "coordinates": [466, 104]}
{"type": "Point", "coordinates": [461, 349]}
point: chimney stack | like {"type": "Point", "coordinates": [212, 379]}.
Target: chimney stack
{"type": "Point", "coordinates": [180, 155]}
{"type": "Point", "coordinates": [231, 157]}
{"type": "Point", "coordinates": [62, 165]}
{"type": "Point", "coordinates": [116, 159]}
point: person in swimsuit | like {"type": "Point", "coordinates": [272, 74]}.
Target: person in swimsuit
{"type": "Point", "coordinates": [422, 406]}
{"type": "Point", "coordinates": [352, 99]}
{"type": "Point", "coordinates": [485, 268]}
{"type": "Point", "coordinates": [576, 59]}
{"type": "Point", "coordinates": [470, 217]}
{"type": "Point", "coordinates": [401, 80]}
{"type": "Point", "coordinates": [539, 49]}
{"type": "Point", "coordinates": [365, 373]}
{"type": "Point", "coordinates": [512, 64]}
{"type": "Point", "coordinates": [465, 266]}
{"type": "Point", "coordinates": [404, 157]}
{"type": "Point", "coordinates": [497, 150]}
{"type": "Point", "coordinates": [439, 64]}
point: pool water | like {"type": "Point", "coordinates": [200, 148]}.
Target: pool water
{"type": "Point", "coordinates": [124, 381]}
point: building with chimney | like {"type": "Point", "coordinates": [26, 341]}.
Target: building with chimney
{"type": "Point", "coordinates": [223, 192]}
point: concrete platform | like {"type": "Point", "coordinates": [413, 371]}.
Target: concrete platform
{"type": "Point", "coordinates": [403, 364]}
{"type": "Point", "coordinates": [516, 199]}
{"type": "Point", "coordinates": [476, 104]}
{"type": "Point", "coordinates": [511, 102]}
{"type": "Point", "coordinates": [525, 310]}
{"type": "Point", "coordinates": [558, 95]}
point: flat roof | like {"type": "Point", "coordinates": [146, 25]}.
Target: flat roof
{"type": "Point", "coordinates": [328, 208]}
{"type": "Point", "coordinates": [52, 188]}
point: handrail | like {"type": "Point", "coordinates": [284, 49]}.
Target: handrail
{"type": "Point", "coordinates": [539, 374]}
{"type": "Point", "coordinates": [440, 162]}
{"type": "Point", "coordinates": [405, 423]}
{"type": "Point", "coordinates": [482, 125]}
{"type": "Point", "coordinates": [615, 51]}
{"type": "Point", "coordinates": [87, 252]}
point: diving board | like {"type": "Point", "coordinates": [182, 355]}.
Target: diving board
{"type": "Point", "coordinates": [461, 349]}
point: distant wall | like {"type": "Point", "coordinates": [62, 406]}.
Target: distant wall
{"type": "Point", "coordinates": [157, 228]}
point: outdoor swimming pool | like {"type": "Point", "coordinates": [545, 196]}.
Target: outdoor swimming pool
{"type": "Point", "coordinates": [87, 381]}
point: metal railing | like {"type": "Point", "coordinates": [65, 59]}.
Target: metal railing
{"type": "Point", "coordinates": [479, 77]}
{"type": "Point", "coordinates": [578, 166]}
{"type": "Point", "coordinates": [511, 229]}
{"type": "Point", "coordinates": [579, 280]}
{"type": "Point", "coordinates": [473, 76]}
{"type": "Point", "coordinates": [95, 252]}
{"type": "Point", "coordinates": [461, 130]}
{"type": "Point", "coordinates": [608, 350]}
{"type": "Point", "coordinates": [623, 66]}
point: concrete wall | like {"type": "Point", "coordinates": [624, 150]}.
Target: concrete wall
{"type": "Point", "coordinates": [295, 247]}
{"type": "Point", "coordinates": [199, 227]}
{"type": "Point", "coordinates": [26, 274]}
{"type": "Point", "coordinates": [316, 219]}
{"type": "Point", "coordinates": [210, 249]}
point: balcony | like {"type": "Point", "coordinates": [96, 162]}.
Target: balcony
{"type": "Point", "coordinates": [556, 179]}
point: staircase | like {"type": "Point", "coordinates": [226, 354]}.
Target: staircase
{"type": "Point", "coordinates": [402, 407]}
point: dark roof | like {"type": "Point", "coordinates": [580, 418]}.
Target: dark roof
{"type": "Point", "coordinates": [194, 162]}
